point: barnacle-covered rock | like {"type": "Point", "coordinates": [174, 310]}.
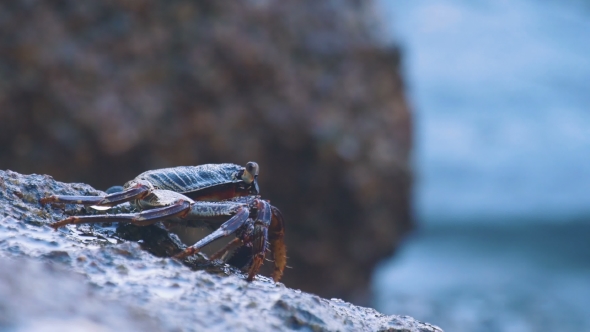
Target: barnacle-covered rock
{"type": "Point", "coordinates": [88, 277]}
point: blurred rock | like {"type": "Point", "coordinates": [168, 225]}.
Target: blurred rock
{"type": "Point", "coordinates": [100, 91]}
{"type": "Point", "coordinates": [45, 297]}
{"type": "Point", "coordinates": [87, 278]}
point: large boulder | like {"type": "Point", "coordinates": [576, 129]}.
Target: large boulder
{"type": "Point", "coordinates": [90, 278]}
{"type": "Point", "coordinates": [100, 91]}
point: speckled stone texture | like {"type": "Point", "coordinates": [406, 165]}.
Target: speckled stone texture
{"type": "Point", "coordinates": [83, 277]}
{"type": "Point", "coordinates": [100, 91]}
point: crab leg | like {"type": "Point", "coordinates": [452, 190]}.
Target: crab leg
{"type": "Point", "coordinates": [240, 216]}
{"type": "Point", "coordinates": [259, 237]}
{"type": "Point", "coordinates": [277, 243]}
{"type": "Point", "coordinates": [259, 247]}
{"type": "Point", "coordinates": [225, 249]}
{"type": "Point", "coordinates": [135, 192]}
{"type": "Point", "coordinates": [148, 217]}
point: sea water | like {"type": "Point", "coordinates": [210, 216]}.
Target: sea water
{"type": "Point", "coordinates": [501, 96]}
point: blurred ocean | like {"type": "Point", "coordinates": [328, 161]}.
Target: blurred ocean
{"type": "Point", "coordinates": [501, 93]}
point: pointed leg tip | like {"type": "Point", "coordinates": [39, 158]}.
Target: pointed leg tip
{"type": "Point", "coordinates": [276, 277]}
{"type": "Point", "coordinates": [67, 221]}
{"type": "Point", "coordinates": [45, 200]}
{"type": "Point", "coordinates": [187, 252]}
{"type": "Point", "coordinates": [255, 267]}
{"type": "Point", "coordinates": [251, 276]}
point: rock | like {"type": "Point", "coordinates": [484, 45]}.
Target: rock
{"type": "Point", "coordinates": [45, 297]}
{"type": "Point", "coordinates": [88, 277]}
{"type": "Point", "coordinates": [100, 91]}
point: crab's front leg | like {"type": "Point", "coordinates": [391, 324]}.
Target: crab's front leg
{"type": "Point", "coordinates": [277, 243]}
{"type": "Point", "coordinates": [202, 210]}
{"type": "Point", "coordinates": [267, 230]}
{"type": "Point", "coordinates": [255, 235]}
{"type": "Point", "coordinates": [259, 237]}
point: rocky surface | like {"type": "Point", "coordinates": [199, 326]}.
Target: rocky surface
{"type": "Point", "coordinates": [90, 277]}
{"type": "Point", "coordinates": [100, 91]}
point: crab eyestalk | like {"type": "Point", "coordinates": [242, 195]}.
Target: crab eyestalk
{"type": "Point", "coordinates": [250, 175]}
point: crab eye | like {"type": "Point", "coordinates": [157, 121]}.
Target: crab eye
{"type": "Point", "coordinates": [250, 172]}
{"type": "Point", "coordinates": [252, 167]}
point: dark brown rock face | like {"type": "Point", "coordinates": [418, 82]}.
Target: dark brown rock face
{"type": "Point", "coordinates": [99, 91]}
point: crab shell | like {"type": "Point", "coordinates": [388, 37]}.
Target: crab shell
{"type": "Point", "coordinates": [209, 182]}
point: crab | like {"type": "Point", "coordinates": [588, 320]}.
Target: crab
{"type": "Point", "coordinates": [206, 192]}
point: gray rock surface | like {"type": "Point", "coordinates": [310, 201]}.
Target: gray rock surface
{"type": "Point", "coordinates": [90, 277]}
